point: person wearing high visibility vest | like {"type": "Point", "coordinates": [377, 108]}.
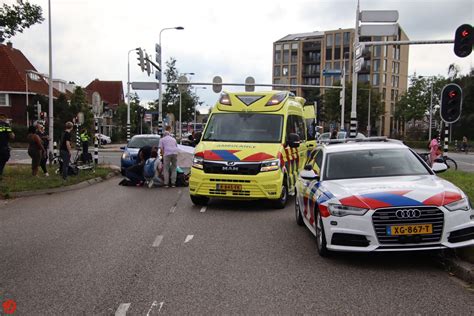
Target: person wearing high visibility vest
{"type": "Point", "coordinates": [85, 144]}
{"type": "Point", "coordinates": [6, 134]}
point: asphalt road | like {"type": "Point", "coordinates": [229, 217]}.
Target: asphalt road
{"type": "Point", "coordinates": [108, 157]}
{"type": "Point", "coordinates": [108, 249]}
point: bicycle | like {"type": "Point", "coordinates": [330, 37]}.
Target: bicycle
{"type": "Point", "coordinates": [450, 162]}
{"type": "Point", "coordinates": [79, 163]}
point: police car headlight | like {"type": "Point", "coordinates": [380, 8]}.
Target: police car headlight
{"type": "Point", "coordinates": [126, 155]}
{"type": "Point", "coordinates": [342, 210]}
{"type": "Point", "coordinates": [198, 162]}
{"type": "Point", "coordinates": [270, 165]}
{"type": "Point", "coordinates": [461, 205]}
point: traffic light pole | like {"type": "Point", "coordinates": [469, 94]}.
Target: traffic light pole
{"type": "Point", "coordinates": [353, 126]}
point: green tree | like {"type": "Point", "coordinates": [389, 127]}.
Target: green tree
{"type": "Point", "coordinates": [464, 126]}
{"type": "Point", "coordinates": [17, 17]}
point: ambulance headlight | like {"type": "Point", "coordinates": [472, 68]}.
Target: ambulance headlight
{"type": "Point", "coordinates": [270, 165]}
{"type": "Point", "coordinates": [198, 162]}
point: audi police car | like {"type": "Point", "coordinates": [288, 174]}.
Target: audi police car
{"type": "Point", "coordinates": [376, 194]}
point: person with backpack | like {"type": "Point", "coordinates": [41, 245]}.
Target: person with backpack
{"type": "Point", "coordinates": [153, 169]}
{"type": "Point", "coordinates": [134, 174]}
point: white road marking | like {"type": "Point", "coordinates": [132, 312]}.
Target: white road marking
{"type": "Point", "coordinates": [173, 209]}
{"type": "Point", "coordinates": [122, 309]}
{"type": "Point", "coordinates": [203, 209]}
{"type": "Point", "coordinates": [157, 241]}
{"type": "Point", "coordinates": [155, 303]}
{"type": "Point", "coordinates": [188, 238]}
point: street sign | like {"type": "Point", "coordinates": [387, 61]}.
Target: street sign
{"type": "Point", "coordinates": [96, 103]}
{"type": "Point", "coordinates": [147, 117]}
{"type": "Point", "coordinates": [158, 52]}
{"type": "Point", "coordinates": [358, 64]}
{"type": "Point", "coordinates": [80, 117]}
{"type": "Point", "coordinates": [249, 84]}
{"type": "Point", "coordinates": [359, 48]}
{"type": "Point", "coordinates": [379, 16]}
{"type": "Point", "coordinates": [217, 84]}
{"type": "Point", "coordinates": [158, 75]}
{"type": "Point", "coordinates": [331, 72]}
{"type": "Point", "coordinates": [182, 86]}
{"type": "Point", "coordinates": [379, 30]}
{"type": "Point", "coordinates": [145, 85]}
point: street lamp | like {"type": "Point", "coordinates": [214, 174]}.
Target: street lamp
{"type": "Point", "coordinates": [128, 93]}
{"type": "Point", "coordinates": [50, 82]}
{"type": "Point", "coordinates": [195, 93]}
{"type": "Point", "coordinates": [368, 115]}
{"type": "Point", "coordinates": [160, 85]}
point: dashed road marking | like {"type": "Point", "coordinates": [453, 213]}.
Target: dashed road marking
{"type": "Point", "coordinates": [188, 238]}
{"type": "Point", "coordinates": [203, 209]}
{"type": "Point", "coordinates": [155, 303]}
{"type": "Point", "coordinates": [122, 309]}
{"type": "Point", "coordinates": [157, 241]}
{"type": "Point", "coordinates": [173, 209]}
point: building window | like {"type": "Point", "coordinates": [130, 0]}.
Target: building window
{"type": "Point", "coordinates": [286, 46]}
{"type": "Point", "coordinates": [345, 53]}
{"type": "Point", "coordinates": [337, 65]}
{"type": "Point", "coordinates": [294, 56]}
{"type": "Point", "coordinates": [329, 40]}
{"type": "Point", "coordinates": [4, 101]}
{"type": "Point", "coordinates": [327, 65]}
{"type": "Point", "coordinates": [293, 81]}
{"type": "Point", "coordinates": [384, 79]}
{"type": "Point", "coordinates": [385, 47]}
{"type": "Point", "coordinates": [276, 71]}
{"type": "Point", "coordinates": [397, 52]}
{"type": "Point", "coordinates": [377, 51]}
{"type": "Point", "coordinates": [328, 53]}
{"type": "Point", "coordinates": [327, 81]}
{"type": "Point", "coordinates": [384, 65]}
{"type": "Point", "coordinates": [346, 38]}
{"type": "Point", "coordinates": [384, 93]}
{"type": "Point", "coordinates": [364, 78]}
{"type": "Point", "coordinates": [286, 56]}
{"type": "Point", "coordinates": [376, 65]}
{"type": "Point", "coordinates": [276, 81]}
{"type": "Point", "coordinates": [278, 47]}
{"type": "Point", "coordinates": [375, 79]}
{"type": "Point", "coordinates": [337, 53]}
{"type": "Point", "coordinates": [395, 67]}
{"type": "Point", "coordinates": [284, 71]}
{"type": "Point", "coordinates": [293, 70]}
{"type": "Point", "coordinates": [337, 39]}
{"type": "Point", "coordinates": [278, 57]}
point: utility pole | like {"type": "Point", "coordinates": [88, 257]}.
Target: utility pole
{"type": "Point", "coordinates": [353, 127]}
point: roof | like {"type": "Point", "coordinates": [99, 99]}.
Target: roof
{"type": "Point", "coordinates": [111, 92]}
{"type": "Point", "coordinates": [13, 71]}
{"type": "Point", "coordinates": [364, 145]}
{"type": "Point", "coordinates": [301, 36]}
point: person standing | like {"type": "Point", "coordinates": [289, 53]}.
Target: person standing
{"type": "Point", "coordinates": [65, 149]}
{"type": "Point", "coordinates": [464, 144]}
{"type": "Point", "coordinates": [85, 145]}
{"type": "Point", "coordinates": [169, 151]}
{"type": "Point", "coordinates": [35, 149]}
{"type": "Point", "coordinates": [45, 142]}
{"type": "Point", "coordinates": [434, 148]}
{"type": "Point", "coordinates": [6, 135]}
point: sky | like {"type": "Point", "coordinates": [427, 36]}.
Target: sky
{"type": "Point", "coordinates": [230, 39]}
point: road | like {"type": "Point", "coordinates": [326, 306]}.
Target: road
{"type": "Point", "coordinates": [107, 249]}
{"type": "Point", "coordinates": [108, 157]}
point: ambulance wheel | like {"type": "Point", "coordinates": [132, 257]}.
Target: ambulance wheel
{"type": "Point", "coordinates": [299, 217]}
{"type": "Point", "coordinates": [199, 200]}
{"type": "Point", "coordinates": [321, 243]}
{"type": "Point", "coordinates": [281, 202]}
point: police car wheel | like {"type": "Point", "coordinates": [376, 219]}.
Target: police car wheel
{"type": "Point", "coordinates": [199, 200]}
{"type": "Point", "coordinates": [320, 236]}
{"type": "Point", "coordinates": [299, 217]}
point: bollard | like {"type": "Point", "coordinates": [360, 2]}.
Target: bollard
{"type": "Point", "coordinates": [128, 132]}
{"type": "Point", "coordinates": [446, 139]}
{"type": "Point", "coordinates": [78, 136]}
{"type": "Point", "coordinates": [96, 142]}
{"type": "Point", "coordinates": [55, 152]}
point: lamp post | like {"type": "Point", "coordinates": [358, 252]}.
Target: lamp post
{"type": "Point", "coordinates": [180, 105]}
{"type": "Point", "coordinates": [128, 93]}
{"type": "Point", "coordinates": [195, 93]}
{"type": "Point", "coordinates": [368, 112]}
{"type": "Point", "coordinates": [160, 84]}
{"type": "Point", "coordinates": [50, 82]}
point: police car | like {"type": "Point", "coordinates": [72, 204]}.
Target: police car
{"type": "Point", "coordinates": [376, 194]}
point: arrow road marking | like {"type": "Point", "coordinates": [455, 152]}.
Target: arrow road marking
{"type": "Point", "coordinates": [155, 303]}
{"type": "Point", "coordinates": [122, 309]}
{"type": "Point", "coordinates": [203, 209]}
{"type": "Point", "coordinates": [157, 241]}
{"type": "Point", "coordinates": [188, 238]}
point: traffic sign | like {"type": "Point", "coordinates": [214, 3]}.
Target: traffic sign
{"type": "Point", "coordinates": [249, 84]}
{"type": "Point", "coordinates": [147, 117]}
{"type": "Point", "coordinates": [379, 16]}
{"type": "Point", "coordinates": [359, 48]}
{"type": "Point", "coordinates": [358, 64]}
{"type": "Point", "coordinates": [182, 86]}
{"type": "Point", "coordinates": [331, 72]}
{"type": "Point", "coordinates": [217, 84]}
{"type": "Point", "coordinates": [145, 85]}
{"type": "Point", "coordinates": [379, 30]}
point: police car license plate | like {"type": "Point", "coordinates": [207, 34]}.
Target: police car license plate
{"type": "Point", "coordinates": [229, 187]}
{"type": "Point", "coordinates": [418, 229]}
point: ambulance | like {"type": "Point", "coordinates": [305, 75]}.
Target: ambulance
{"type": "Point", "coordinates": [253, 147]}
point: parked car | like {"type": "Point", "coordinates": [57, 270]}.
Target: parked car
{"type": "Point", "coordinates": [103, 139]}
{"type": "Point", "coordinates": [379, 195]}
{"type": "Point", "coordinates": [130, 152]}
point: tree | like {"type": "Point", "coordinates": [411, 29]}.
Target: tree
{"type": "Point", "coordinates": [464, 126]}
{"type": "Point", "coordinates": [16, 18]}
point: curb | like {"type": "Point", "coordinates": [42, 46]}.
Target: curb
{"type": "Point", "coordinates": [76, 186]}
{"type": "Point", "coordinates": [458, 267]}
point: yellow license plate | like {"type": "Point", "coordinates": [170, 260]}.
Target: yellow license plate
{"type": "Point", "coordinates": [229, 187]}
{"type": "Point", "coordinates": [418, 229]}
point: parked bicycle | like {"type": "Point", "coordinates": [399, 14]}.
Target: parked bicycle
{"type": "Point", "coordinates": [450, 162]}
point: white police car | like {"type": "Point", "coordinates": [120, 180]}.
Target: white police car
{"type": "Point", "coordinates": [378, 195]}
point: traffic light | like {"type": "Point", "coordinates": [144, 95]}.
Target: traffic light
{"type": "Point", "coordinates": [141, 59]}
{"type": "Point", "coordinates": [463, 40]}
{"type": "Point", "coordinates": [147, 65]}
{"type": "Point", "coordinates": [451, 103]}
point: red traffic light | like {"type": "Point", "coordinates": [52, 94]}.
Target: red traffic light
{"type": "Point", "coordinates": [463, 40]}
{"type": "Point", "coordinates": [464, 33]}
{"type": "Point", "coordinates": [451, 103]}
{"type": "Point", "coordinates": [452, 94]}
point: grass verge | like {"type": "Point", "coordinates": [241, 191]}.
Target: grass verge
{"type": "Point", "coordinates": [18, 178]}
{"type": "Point", "coordinates": [464, 180]}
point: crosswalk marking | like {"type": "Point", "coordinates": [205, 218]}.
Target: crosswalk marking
{"type": "Point", "coordinates": [157, 241]}
{"type": "Point", "coordinates": [122, 309]}
{"type": "Point", "coordinates": [188, 238]}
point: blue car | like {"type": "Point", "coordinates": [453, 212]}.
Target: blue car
{"type": "Point", "coordinates": [130, 152]}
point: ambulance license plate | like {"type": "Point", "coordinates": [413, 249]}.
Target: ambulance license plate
{"type": "Point", "coordinates": [229, 187]}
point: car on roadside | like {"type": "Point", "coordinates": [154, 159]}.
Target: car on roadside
{"type": "Point", "coordinates": [103, 139]}
{"type": "Point", "coordinates": [130, 151]}
{"type": "Point", "coordinates": [377, 194]}
{"type": "Point", "coordinates": [340, 135]}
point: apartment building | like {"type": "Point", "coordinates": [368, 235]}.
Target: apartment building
{"type": "Point", "coordinates": [302, 58]}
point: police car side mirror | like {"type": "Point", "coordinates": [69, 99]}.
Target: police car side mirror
{"type": "Point", "coordinates": [439, 167]}
{"type": "Point", "coordinates": [309, 174]}
{"type": "Point", "coordinates": [293, 140]}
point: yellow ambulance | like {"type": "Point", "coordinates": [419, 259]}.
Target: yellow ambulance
{"type": "Point", "coordinates": [253, 147]}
